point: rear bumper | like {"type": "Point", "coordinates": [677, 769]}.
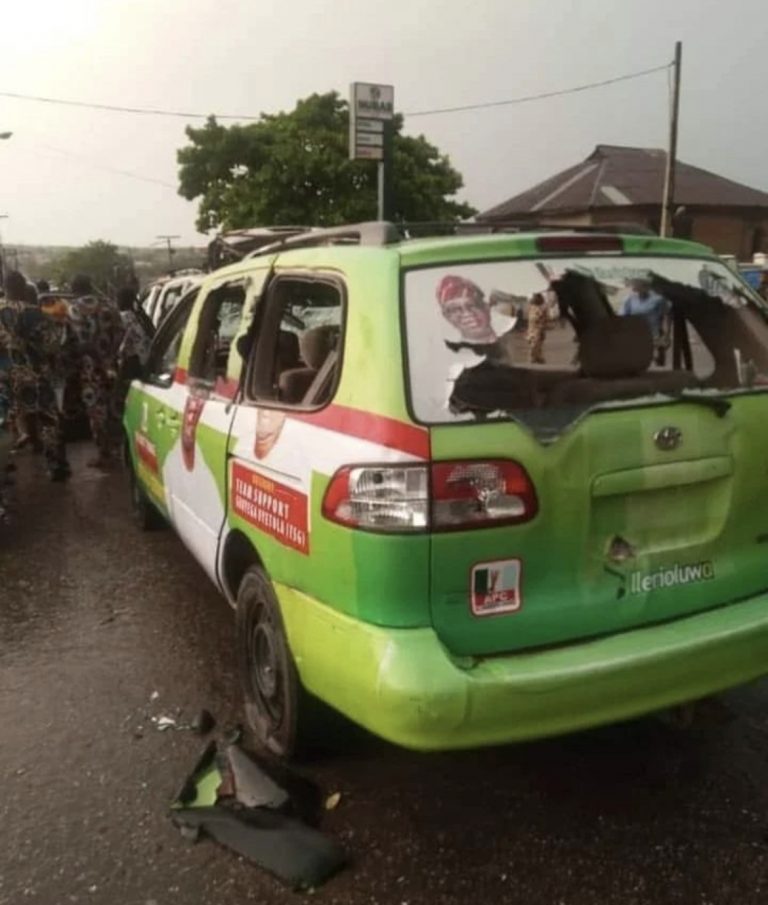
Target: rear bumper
{"type": "Point", "coordinates": [402, 684]}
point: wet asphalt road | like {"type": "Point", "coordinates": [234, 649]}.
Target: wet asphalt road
{"type": "Point", "coordinates": [94, 617]}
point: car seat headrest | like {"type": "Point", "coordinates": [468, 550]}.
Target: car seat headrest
{"type": "Point", "coordinates": [287, 350]}
{"type": "Point", "coordinates": [616, 347]}
{"type": "Point", "coordinates": [317, 344]}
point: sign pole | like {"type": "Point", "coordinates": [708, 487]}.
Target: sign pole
{"type": "Point", "coordinates": [667, 205]}
{"type": "Point", "coordinates": [381, 183]}
{"type": "Point", "coordinates": [371, 110]}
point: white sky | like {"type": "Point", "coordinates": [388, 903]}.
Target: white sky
{"type": "Point", "coordinates": [249, 56]}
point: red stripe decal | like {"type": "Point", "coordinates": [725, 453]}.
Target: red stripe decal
{"type": "Point", "coordinates": [400, 435]}
{"type": "Point", "coordinates": [407, 438]}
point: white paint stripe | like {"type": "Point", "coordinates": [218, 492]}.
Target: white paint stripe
{"type": "Point", "coordinates": [589, 168]}
{"type": "Point", "coordinates": [614, 195]}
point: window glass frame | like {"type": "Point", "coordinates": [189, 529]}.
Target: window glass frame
{"type": "Point", "coordinates": [755, 303]}
{"type": "Point", "coordinates": [174, 325]}
{"type": "Point", "coordinates": [259, 371]}
{"type": "Point", "coordinates": [209, 303]}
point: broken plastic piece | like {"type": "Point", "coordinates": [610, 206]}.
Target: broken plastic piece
{"type": "Point", "coordinates": [254, 787]}
{"type": "Point", "coordinates": [200, 788]}
{"type": "Point", "coordinates": [295, 853]}
{"type": "Point", "coordinates": [204, 722]}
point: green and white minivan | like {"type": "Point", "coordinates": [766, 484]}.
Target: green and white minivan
{"type": "Point", "coordinates": [471, 489]}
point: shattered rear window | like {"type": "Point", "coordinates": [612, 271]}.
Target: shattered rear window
{"type": "Point", "coordinates": [543, 341]}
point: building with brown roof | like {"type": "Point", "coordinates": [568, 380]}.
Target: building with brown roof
{"type": "Point", "coordinates": [625, 185]}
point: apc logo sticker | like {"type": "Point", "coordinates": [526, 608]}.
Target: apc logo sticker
{"type": "Point", "coordinates": [496, 587]}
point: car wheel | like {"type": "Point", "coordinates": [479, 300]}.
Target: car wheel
{"type": "Point", "coordinates": [145, 515]}
{"type": "Point", "coordinates": [279, 711]}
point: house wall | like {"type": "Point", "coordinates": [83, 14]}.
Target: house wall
{"type": "Point", "coordinates": [575, 219]}
{"type": "Point", "coordinates": [644, 216]}
{"type": "Point", "coordinates": [727, 232]}
{"type": "Point", "coordinates": [731, 233]}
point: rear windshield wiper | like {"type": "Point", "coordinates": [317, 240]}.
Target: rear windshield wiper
{"type": "Point", "coordinates": [719, 405]}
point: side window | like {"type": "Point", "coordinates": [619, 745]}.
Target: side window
{"type": "Point", "coordinates": [167, 343]}
{"type": "Point", "coordinates": [218, 325]}
{"type": "Point", "coordinates": [296, 359]}
{"type": "Point", "coordinates": [168, 301]}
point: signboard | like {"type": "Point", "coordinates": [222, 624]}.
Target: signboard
{"type": "Point", "coordinates": [370, 107]}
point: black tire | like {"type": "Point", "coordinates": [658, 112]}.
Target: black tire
{"type": "Point", "coordinates": [145, 515]}
{"type": "Point", "coordinates": [280, 713]}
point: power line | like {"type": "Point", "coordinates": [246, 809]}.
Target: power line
{"type": "Point", "coordinates": [87, 161]}
{"type": "Point", "coordinates": [153, 111]}
{"type": "Point", "coordinates": [114, 108]}
{"type": "Point", "coordinates": [543, 95]}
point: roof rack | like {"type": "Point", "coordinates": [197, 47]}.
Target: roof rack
{"type": "Point", "coordinates": [382, 233]}
{"type": "Point", "coordinates": [374, 232]}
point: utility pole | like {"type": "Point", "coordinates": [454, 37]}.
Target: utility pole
{"type": "Point", "coordinates": [2, 256]}
{"type": "Point", "coordinates": [4, 136]}
{"type": "Point", "coordinates": [171, 251]}
{"type": "Point", "coordinates": [668, 202]}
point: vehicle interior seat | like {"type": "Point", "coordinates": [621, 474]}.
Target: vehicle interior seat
{"type": "Point", "coordinates": [615, 355]}
{"type": "Point", "coordinates": [288, 352]}
{"type": "Point", "coordinates": [315, 346]}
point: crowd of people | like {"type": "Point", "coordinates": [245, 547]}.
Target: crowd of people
{"type": "Point", "coordinates": [52, 346]}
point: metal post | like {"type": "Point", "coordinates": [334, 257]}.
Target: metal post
{"type": "Point", "coordinates": [171, 252]}
{"type": "Point", "coordinates": [380, 175]}
{"type": "Point", "coordinates": [668, 202]}
{"type": "Point", "coordinates": [3, 266]}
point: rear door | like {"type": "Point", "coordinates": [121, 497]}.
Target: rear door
{"type": "Point", "coordinates": [617, 489]}
{"type": "Point", "coordinates": [277, 446]}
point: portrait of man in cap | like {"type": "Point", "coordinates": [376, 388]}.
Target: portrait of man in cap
{"type": "Point", "coordinates": [463, 305]}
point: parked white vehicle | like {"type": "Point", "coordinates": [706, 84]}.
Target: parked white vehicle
{"type": "Point", "coordinates": [163, 296]}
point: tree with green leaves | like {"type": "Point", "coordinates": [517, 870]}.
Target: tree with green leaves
{"type": "Point", "coordinates": [294, 168]}
{"type": "Point", "coordinates": [107, 267]}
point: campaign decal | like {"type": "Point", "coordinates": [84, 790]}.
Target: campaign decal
{"type": "Point", "coordinates": [148, 467]}
{"type": "Point", "coordinates": [193, 409]}
{"type": "Point", "coordinates": [146, 452]}
{"type": "Point", "coordinates": [279, 511]}
{"type": "Point", "coordinates": [496, 587]}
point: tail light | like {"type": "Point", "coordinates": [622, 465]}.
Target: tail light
{"type": "Point", "coordinates": [445, 496]}
{"type": "Point", "coordinates": [480, 494]}
{"type": "Point", "coordinates": [379, 499]}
